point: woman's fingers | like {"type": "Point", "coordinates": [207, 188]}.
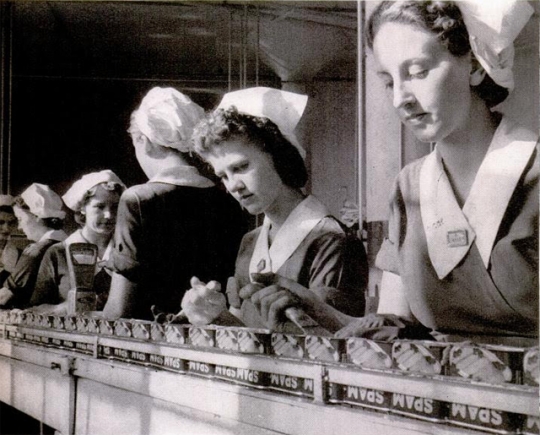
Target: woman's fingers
{"type": "Point", "coordinates": [354, 329]}
{"type": "Point", "coordinates": [233, 293]}
{"type": "Point", "coordinates": [266, 303]}
{"type": "Point", "coordinates": [277, 309]}
{"type": "Point", "coordinates": [249, 290]}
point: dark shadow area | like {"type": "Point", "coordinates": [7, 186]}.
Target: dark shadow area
{"type": "Point", "coordinates": [15, 422]}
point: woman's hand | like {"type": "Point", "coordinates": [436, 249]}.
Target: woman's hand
{"type": "Point", "coordinates": [203, 303]}
{"type": "Point", "coordinates": [384, 327]}
{"type": "Point", "coordinates": [53, 309]}
{"type": "Point", "coordinates": [272, 302]}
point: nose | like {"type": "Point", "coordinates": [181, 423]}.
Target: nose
{"type": "Point", "coordinates": [235, 184]}
{"type": "Point", "coordinates": [107, 214]}
{"type": "Point", "coordinates": [402, 95]}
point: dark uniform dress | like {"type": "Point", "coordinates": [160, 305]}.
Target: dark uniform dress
{"type": "Point", "coordinates": [176, 226]}
{"type": "Point", "coordinates": [313, 249]}
{"type": "Point", "coordinates": [22, 280]}
{"type": "Point", "coordinates": [53, 282]}
{"type": "Point", "coordinates": [472, 270]}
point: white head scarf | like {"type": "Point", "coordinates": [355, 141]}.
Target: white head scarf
{"type": "Point", "coordinates": [74, 197]}
{"type": "Point", "coordinates": [493, 26]}
{"type": "Point", "coordinates": [43, 202]}
{"type": "Point", "coordinates": [167, 118]}
{"type": "Point", "coordinates": [283, 108]}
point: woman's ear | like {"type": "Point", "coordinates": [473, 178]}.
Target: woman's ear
{"type": "Point", "coordinates": [477, 73]}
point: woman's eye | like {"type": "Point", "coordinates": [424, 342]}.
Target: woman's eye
{"type": "Point", "coordinates": [242, 167]}
{"type": "Point", "coordinates": [388, 85]}
{"type": "Point", "coordinates": [418, 73]}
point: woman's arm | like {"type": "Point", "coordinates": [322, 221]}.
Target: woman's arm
{"type": "Point", "coordinates": [392, 298]}
{"type": "Point", "coordinates": [122, 297]}
{"type": "Point", "coordinates": [46, 288]}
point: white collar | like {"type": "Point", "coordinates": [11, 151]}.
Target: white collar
{"type": "Point", "coordinates": [291, 234]}
{"type": "Point", "coordinates": [182, 176]}
{"type": "Point", "coordinates": [58, 235]}
{"type": "Point", "coordinates": [446, 224]}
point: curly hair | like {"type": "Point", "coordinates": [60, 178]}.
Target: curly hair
{"type": "Point", "coordinates": [442, 18]}
{"type": "Point", "coordinates": [223, 125]}
{"type": "Point", "coordinates": [110, 186]}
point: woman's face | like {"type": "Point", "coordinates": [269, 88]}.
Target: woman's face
{"type": "Point", "coordinates": [248, 174]}
{"type": "Point", "coordinates": [29, 224]}
{"type": "Point", "coordinates": [100, 211]}
{"type": "Point", "coordinates": [8, 224]}
{"type": "Point", "coordinates": [429, 86]}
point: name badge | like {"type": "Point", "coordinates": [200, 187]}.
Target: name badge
{"type": "Point", "coordinates": [457, 238]}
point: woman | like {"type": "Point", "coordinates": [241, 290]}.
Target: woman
{"type": "Point", "coordinates": [10, 253]}
{"type": "Point", "coordinates": [177, 224]}
{"type": "Point", "coordinates": [462, 253]}
{"type": "Point", "coordinates": [94, 199]}
{"type": "Point", "coordinates": [41, 217]}
{"type": "Point", "coordinates": [249, 143]}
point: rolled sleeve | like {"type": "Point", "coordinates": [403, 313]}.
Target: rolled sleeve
{"type": "Point", "coordinates": [128, 234]}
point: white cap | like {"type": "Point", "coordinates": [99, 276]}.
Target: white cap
{"type": "Point", "coordinates": [282, 108]}
{"type": "Point", "coordinates": [6, 200]}
{"type": "Point", "coordinates": [43, 202]}
{"type": "Point", "coordinates": [493, 26]}
{"type": "Point", "coordinates": [74, 196]}
{"type": "Point", "coordinates": [167, 118]}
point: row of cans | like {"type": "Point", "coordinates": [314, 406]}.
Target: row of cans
{"type": "Point", "coordinates": [515, 365]}
{"type": "Point", "coordinates": [491, 364]}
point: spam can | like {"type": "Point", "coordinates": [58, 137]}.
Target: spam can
{"type": "Point", "coordinates": [122, 328]}
{"type": "Point", "coordinates": [58, 322]}
{"type": "Point", "coordinates": [242, 376]}
{"type": "Point", "coordinates": [202, 337]}
{"type": "Point", "coordinates": [82, 324]}
{"type": "Point", "coordinates": [486, 363]}
{"type": "Point", "coordinates": [157, 331]}
{"type": "Point", "coordinates": [295, 385]}
{"type": "Point", "coordinates": [489, 420]}
{"type": "Point", "coordinates": [93, 326]}
{"type": "Point", "coordinates": [106, 327]}
{"type": "Point", "coordinates": [29, 319]}
{"type": "Point", "coordinates": [531, 370]}
{"type": "Point", "coordinates": [419, 407]}
{"type": "Point", "coordinates": [70, 323]}
{"type": "Point", "coordinates": [369, 353]}
{"type": "Point", "coordinates": [253, 340]}
{"type": "Point", "coordinates": [421, 357]}
{"type": "Point", "coordinates": [175, 334]}
{"type": "Point", "coordinates": [227, 339]}
{"type": "Point", "coordinates": [140, 329]}
{"type": "Point", "coordinates": [324, 348]}
{"type": "Point", "coordinates": [287, 345]}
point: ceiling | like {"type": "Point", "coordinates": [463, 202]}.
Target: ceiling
{"type": "Point", "coordinates": [185, 40]}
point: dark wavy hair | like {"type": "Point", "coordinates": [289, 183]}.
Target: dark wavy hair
{"type": "Point", "coordinates": [223, 125]}
{"type": "Point", "coordinates": [442, 18]}
{"type": "Point", "coordinates": [52, 223]}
